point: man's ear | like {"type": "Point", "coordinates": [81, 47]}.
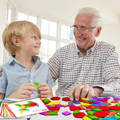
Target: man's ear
{"type": "Point", "coordinates": [98, 31]}
{"type": "Point", "coordinates": [16, 41]}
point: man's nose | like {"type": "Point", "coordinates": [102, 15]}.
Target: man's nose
{"type": "Point", "coordinates": [79, 32]}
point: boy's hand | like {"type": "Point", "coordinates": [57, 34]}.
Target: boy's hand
{"type": "Point", "coordinates": [24, 91]}
{"type": "Point", "coordinates": [44, 91]}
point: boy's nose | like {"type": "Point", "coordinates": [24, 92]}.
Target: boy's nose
{"type": "Point", "coordinates": [39, 42]}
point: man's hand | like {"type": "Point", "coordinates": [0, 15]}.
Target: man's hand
{"type": "Point", "coordinates": [83, 91]}
{"type": "Point", "coordinates": [1, 70]}
{"type": "Point", "coordinates": [44, 91]}
{"type": "Point", "coordinates": [24, 91]}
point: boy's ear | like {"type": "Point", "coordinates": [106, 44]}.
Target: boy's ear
{"type": "Point", "coordinates": [16, 41]}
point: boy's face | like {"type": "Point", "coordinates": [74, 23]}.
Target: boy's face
{"type": "Point", "coordinates": [30, 44]}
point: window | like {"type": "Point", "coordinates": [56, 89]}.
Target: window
{"type": "Point", "coordinates": [48, 47]}
{"type": "Point", "coordinates": [9, 19]}
{"type": "Point", "coordinates": [51, 47]}
{"type": "Point", "coordinates": [44, 27]}
{"type": "Point", "coordinates": [9, 15]}
{"type": "Point", "coordinates": [66, 33]}
{"type": "Point", "coordinates": [52, 29]}
{"type": "Point", "coordinates": [22, 16]}
{"type": "Point", "coordinates": [48, 28]}
{"type": "Point", "coordinates": [62, 44]}
{"type": "Point", "coordinates": [32, 19]}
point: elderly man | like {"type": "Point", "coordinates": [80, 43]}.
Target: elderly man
{"type": "Point", "coordinates": [86, 68]}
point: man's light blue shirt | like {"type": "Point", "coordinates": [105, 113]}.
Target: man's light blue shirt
{"type": "Point", "coordinates": [14, 74]}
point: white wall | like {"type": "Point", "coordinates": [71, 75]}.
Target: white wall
{"type": "Point", "coordinates": [111, 34]}
{"type": "Point", "coordinates": [3, 22]}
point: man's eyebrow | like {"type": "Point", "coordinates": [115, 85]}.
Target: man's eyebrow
{"type": "Point", "coordinates": [79, 26]}
{"type": "Point", "coordinates": [74, 25]}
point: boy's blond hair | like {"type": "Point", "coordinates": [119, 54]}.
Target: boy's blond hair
{"type": "Point", "coordinates": [18, 29]}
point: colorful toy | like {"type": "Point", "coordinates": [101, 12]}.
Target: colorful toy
{"type": "Point", "coordinates": [96, 108]}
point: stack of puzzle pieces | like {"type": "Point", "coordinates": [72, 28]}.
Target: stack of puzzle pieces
{"type": "Point", "coordinates": [96, 108]}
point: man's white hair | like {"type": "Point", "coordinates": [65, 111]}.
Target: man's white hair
{"type": "Point", "coordinates": [94, 12]}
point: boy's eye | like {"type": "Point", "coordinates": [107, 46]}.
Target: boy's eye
{"type": "Point", "coordinates": [34, 37]}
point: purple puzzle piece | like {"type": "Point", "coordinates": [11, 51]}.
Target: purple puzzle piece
{"type": "Point", "coordinates": [66, 113]}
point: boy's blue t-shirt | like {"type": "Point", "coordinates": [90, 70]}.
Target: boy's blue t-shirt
{"type": "Point", "coordinates": [14, 75]}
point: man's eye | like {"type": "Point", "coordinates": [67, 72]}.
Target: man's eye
{"type": "Point", "coordinates": [83, 28]}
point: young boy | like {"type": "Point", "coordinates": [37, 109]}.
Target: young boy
{"type": "Point", "coordinates": [22, 40]}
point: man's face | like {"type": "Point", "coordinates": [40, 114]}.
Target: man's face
{"type": "Point", "coordinates": [84, 31]}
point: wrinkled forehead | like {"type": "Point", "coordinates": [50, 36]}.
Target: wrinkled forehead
{"type": "Point", "coordinates": [84, 20]}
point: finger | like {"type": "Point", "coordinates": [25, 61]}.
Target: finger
{"type": "Point", "coordinates": [98, 92]}
{"type": "Point", "coordinates": [30, 87]}
{"type": "Point", "coordinates": [43, 96]}
{"type": "Point", "coordinates": [84, 91]}
{"type": "Point", "coordinates": [91, 93]}
{"type": "Point", "coordinates": [77, 93]}
{"type": "Point", "coordinates": [44, 93]}
{"type": "Point", "coordinates": [43, 88]}
{"type": "Point", "coordinates": [71, 93]}
{"type": "Point", "coordinates": [43, 85]}
{"type": "Point", "coordinates": [20, 95]}
{"type": "Point", "coordinates": [27, 85]}
{"type": "Point", "coordinates": [27, 92]}
{"type": "Point", "coordinates": [24, 96]}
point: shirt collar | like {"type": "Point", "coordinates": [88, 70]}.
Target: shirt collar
{"type": "Point", "coordinates": [93, 48]}
{"type": "Point", "coordinates": [89, 50]}
{"type": "Point", "coordinates": [36, 58]}
{"type": "Point", "coordinates": [12, 60]}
